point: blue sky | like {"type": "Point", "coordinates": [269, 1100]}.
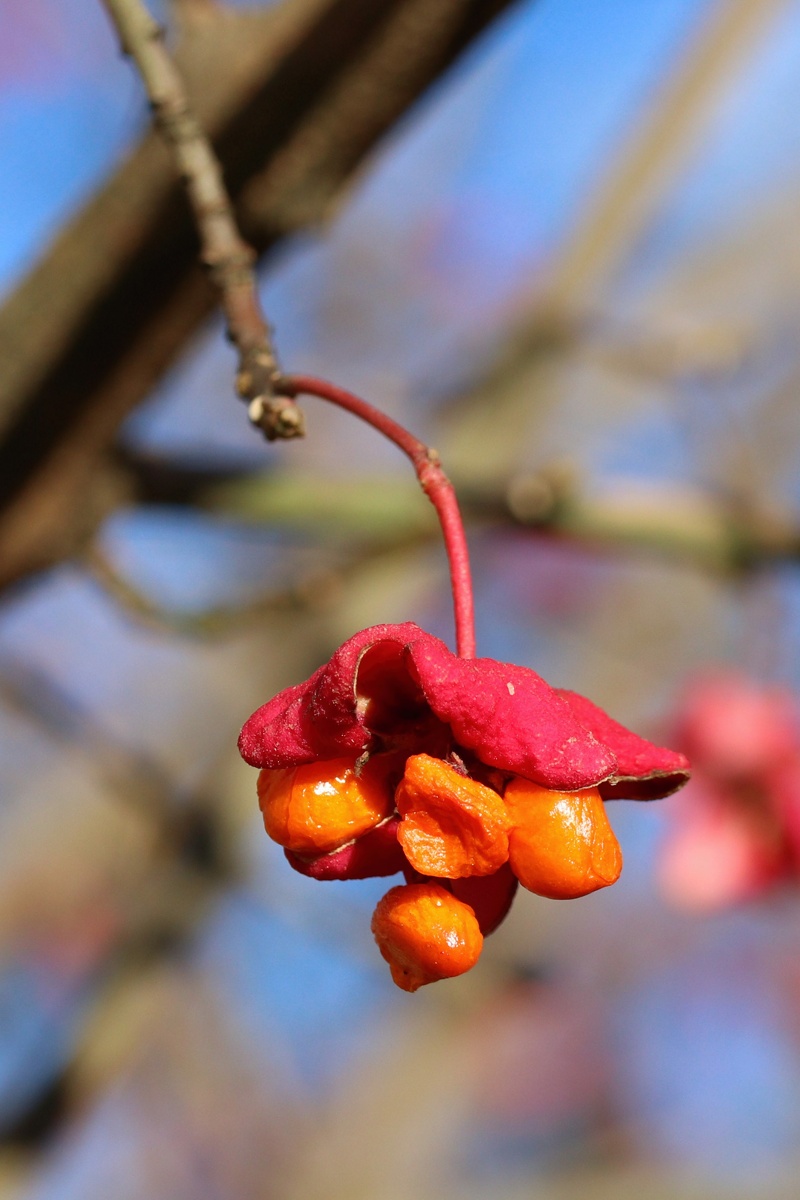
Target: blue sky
{"type": "Point", "coordinates": [458, 210]}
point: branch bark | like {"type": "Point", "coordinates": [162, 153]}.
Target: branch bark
{"type": "Point", "coordinates": [293, 98]}
{"type": "Point", "coordinates": [660, 144]}
{"type": "Point", "coordinates": [572, 290]}
{"type": "Point", "coordinates": [223, 251]}
{"type": "Point", "coordinates": [714, 531]}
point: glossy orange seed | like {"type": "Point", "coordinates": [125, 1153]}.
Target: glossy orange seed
{"type": "Point", "coordinates": [321, 806]}
{"type": "Point", "coordinates": [561, 844]}
{"type": "Point", "coordinates": [425, 934]}
{"type": "Point", "coordinates": [452, 826]}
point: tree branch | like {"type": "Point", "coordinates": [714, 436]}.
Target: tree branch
{"type": "Point", "coordinates": [568, 296]}
{"type": "Point", "coordinates": [223, 251]}
{"type": "Point", "coordinates": [713, 531]}
{"type": "Point", "coordinates": [112, 304]}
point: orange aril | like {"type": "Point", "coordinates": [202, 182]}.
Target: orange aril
{"type": "Point", "coordinates": [321, 806]}
{"type": "Point", "coordinates": [561, 844]}
{"type": "Point", "coordinates": [425, 934]}
{"type": "Point", "coordinates": [452, 826]}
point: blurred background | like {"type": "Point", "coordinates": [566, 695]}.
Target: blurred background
{"type": "Point", "coordinates": [558, 239]}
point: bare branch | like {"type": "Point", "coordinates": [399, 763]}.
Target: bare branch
{"type": "Point", "coordinates": [659, 146]}
{"type": "Point", "coordinates": [226, 255]}
{"type": "Point", "coordinates": [313, 591]}
{"type": "Point", "coordinates": [109, 308]}
{"type": "Point", "coordinates": [716, 532]}
{"type": "Point", "coordinates": [564, 303]}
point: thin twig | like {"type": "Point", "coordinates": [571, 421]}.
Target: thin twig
{"type": "Point", "coordinates": [313, 591]}
{"type": "Point", "coordinates": [110, 306]}
{"type": "Point", "coordinates": [228, 258]}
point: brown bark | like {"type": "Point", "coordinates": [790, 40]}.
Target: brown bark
{"type": "Point", "coordinates": [293, 99]}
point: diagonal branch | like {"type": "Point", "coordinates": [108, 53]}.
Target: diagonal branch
{"type": "Point", "coordinates": [661, 143]}
{"type": "Point", "coordinates": [565, 301]}
{"type": "Point", "coordinates": [223, 251]}
{"type": "Point", "coordinates": [113, 303]}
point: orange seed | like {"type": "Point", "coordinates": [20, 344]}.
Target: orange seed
{"type": "Point", "coordinates": [452, 826]}
{"type": "Point", "coordinates": [321, 806]}
{"type": "Point", "coordinates": [561, 844]}
{"type": "Point", "coordinates": [425, 934]}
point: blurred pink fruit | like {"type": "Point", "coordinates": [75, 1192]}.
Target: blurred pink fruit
{"type": "Point", "coordinates": [736, 828]}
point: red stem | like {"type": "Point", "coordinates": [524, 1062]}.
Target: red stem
{"type": "Point", "coordinates": [435, 484]}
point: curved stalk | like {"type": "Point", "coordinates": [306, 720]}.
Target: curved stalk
{"type": "Point", "coordinates": [435, 484]}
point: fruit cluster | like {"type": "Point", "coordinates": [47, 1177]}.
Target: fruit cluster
{"type": "Point", "coordinates": [468, 775]}
{"type": "Point", "coordinates": [461, 843]}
